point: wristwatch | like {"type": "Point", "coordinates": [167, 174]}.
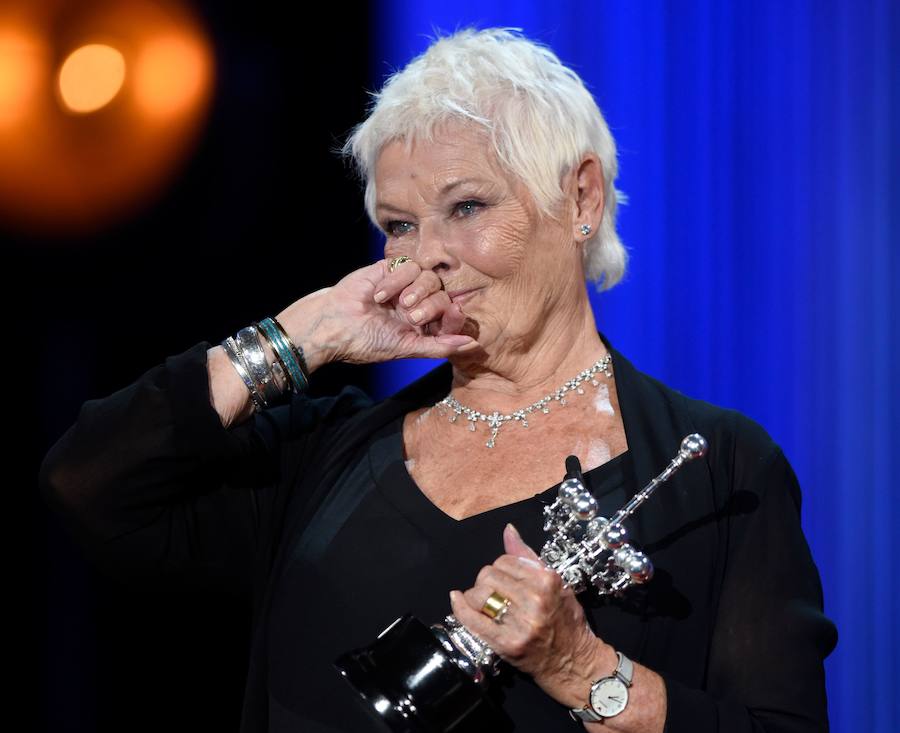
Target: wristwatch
{"type": "Point", "coordinates": [609, 695]}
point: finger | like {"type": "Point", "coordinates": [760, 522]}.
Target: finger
{"type": "Point", "coordinates": [477, 622]}
{"type": "Point", "coordinates": [515, 545]}
{"type": "Point", "coordinates": [531, 599]}
{"type": "Point", "coordinates": [441, 347]}
{"type": "Point", "coordinates": [521, 568]}
{"type": "Point", "coordinates": [452, 320]}
{"type": "Point", "coordinates": [394, 282]}
{"type": "Point", "coordinates": [497, 579]}
{"type": "Point", "coordinates": [426, 283]}
{"type": "Point", "coordinates": [430, 308]}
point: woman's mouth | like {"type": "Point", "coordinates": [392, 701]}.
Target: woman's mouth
{"type": "Point", "coordinates": [460, 296]}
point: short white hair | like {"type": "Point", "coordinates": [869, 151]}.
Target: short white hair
{"type": "Point", "coordinates": [540, 116]}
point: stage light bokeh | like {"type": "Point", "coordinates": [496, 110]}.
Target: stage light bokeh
{"type": "Point", "coordinates": [23, 62]}
{"type": "Point", "coordinates": [100, 103]}
{"type": "Point", "coordinates": [90, 77]}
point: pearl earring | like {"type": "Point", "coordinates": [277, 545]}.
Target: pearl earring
{"type": "Point", "coordinates": [585, 229]}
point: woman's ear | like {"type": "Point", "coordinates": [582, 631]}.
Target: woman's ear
{"type": "Point", "coordinates": [587, 193]}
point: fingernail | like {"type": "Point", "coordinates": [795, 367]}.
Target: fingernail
{"type": "Point", "coordinates": [471, 346]}
{"type": "Point", "coordinates": [417, 315]}
{"type": "Point", "coordinates": [514, 530]}
{"type": "Point", "coordinates": [409, 299]}
{"type": "Point", "coordinates": [380, 295]}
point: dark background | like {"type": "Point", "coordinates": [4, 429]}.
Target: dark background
{"type": "Point", "coordinates": [262, 212]}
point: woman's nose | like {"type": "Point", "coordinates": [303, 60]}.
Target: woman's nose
{"type": "Point", "coordinates": [434, 251]}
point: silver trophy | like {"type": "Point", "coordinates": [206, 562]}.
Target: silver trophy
{"type": "Point", "coordinates": [419, 679]}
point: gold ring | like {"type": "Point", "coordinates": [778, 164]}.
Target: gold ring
{"type": "Point", "coordinates": [495, 607]}
{"type": "Point", "coordinates": [397, 261]}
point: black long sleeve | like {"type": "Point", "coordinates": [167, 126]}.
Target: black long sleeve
{"type": "Point", "coordinates": [157, 491]}
{"type": "Point", "coordinates": [770, 638]}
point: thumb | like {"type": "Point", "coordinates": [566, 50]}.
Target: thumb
{"type": "Point", "coordinates": [441, 347]}
{"type": "Point", "coordinates": [513, 544]}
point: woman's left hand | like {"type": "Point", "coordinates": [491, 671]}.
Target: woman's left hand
{"type": "Point", "coordinates": [544, 633]}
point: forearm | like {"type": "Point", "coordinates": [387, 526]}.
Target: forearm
{"type": "Point", "coordinates": [304, 322]}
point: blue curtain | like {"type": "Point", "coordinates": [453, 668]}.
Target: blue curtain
{"type": "Point", "coordinates": [758, 145]}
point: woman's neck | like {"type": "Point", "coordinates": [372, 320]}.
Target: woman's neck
{"type": "Point", "coordinates": [509, 378]}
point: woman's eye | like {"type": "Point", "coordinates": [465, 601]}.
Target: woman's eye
{"type": "Point", "coordinates": [396, 228]}
{"type": "Point", "coordinates": [467, 208]}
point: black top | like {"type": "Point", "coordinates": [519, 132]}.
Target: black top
{"type": "Point", "coordinates": [379, 547]}
{"type": "Point", "coordinates": [309, 508]}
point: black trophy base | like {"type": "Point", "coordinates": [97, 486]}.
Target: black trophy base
{"type": "Point", "coordinates": [409, 683]}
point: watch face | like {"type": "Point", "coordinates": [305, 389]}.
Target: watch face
{"type": "Point", "coordinates": [608, 697]}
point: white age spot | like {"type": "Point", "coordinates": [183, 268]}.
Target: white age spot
{"type": "Point", "coordinates": [601, 400]}
{"type": "Point", "coordinates": [598, 453]}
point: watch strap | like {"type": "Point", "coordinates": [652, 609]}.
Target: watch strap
{"type": "Point", "coordinates": [624, 669]}
{"type": "Point", "coordinates": [585, 713]}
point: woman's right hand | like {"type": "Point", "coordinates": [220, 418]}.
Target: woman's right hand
{"type": "Point", "coordinates": [346, 323]}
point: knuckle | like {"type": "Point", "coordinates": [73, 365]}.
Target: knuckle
{"type": "Point", "coordinates": [404, 274]}
{"type": "Point", "coordinates": [484, 575]}
{"type": "Point", "coordinates": [550, 583]}
{"type": "Point", "coordinates": [535, 628]}
{"type": "Point", "coordinates": [430, 279]}
{"type": "Point", "coordinates": [404, 278]}
{"type": "Point", "coordinates": [537, 600]}
{"type": "Point", "coordinates": [517, 647]}
{"type": "Point", "coordinates": [506, 562]}
{"type": "Point", "coordinates": [544, 606]}
{"type": "Point", "coordinates": [431, 311]}
{"type": "Point", "coordinates": [439, 301]}
{"type": "Point", "coordinates": [440, 298]}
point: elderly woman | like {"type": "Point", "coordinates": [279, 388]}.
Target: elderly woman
{"type": "Point", "coordinates": [490, 170]}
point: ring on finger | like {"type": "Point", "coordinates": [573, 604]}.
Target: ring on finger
{"type": "Point", "coordinates": [396, 261]}
{"type": "Point", "coordinates": [496, 607]}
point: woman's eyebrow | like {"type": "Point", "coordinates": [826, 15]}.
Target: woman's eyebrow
{"type": "Point", "coordinates": [459, 182]}
{"type": "Point", "coordinates": [381, 206]}
{"type": "Point", "coordinates": [448, 188]}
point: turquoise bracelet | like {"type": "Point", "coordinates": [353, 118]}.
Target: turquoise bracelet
{"type": "Point", "coordinates": [288, 355]}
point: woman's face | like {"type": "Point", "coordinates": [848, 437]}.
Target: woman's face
{"type": "Point", "coordinates": [450, 207]}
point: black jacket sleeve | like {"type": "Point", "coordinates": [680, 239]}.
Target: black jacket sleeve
{"type": "Point", "coordinates": [771, 637]}
{"type": "Point", "coordinates": [159, 493]}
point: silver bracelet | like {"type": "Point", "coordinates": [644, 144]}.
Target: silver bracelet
{"type": "Point", "coordinates": [237, 361]}
{"type": "Point", "coordinates": [260, 370]}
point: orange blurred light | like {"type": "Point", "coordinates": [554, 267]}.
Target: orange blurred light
{"type": "Point", "coordinates": [147, 64]}
{"type": "Point", "coordinates": [91, 77]}
{"type": "Point", "coordinates": [21, 67]}
{"type": "Point", "coordinates": [171, 74]}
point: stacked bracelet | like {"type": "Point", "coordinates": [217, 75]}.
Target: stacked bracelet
{"type": "Point", "coordinates": [249, 360]}
{"type": "Point", "coordinates": [289, 356]}
{"type": "Point", "coordinates": [240, 365]}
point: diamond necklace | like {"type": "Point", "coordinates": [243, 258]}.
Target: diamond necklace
{"type": "Point", "coordinates": [495, 420]}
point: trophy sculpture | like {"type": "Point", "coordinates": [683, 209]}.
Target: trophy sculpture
{"type": "Point", "coordinates": [420, 679]}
